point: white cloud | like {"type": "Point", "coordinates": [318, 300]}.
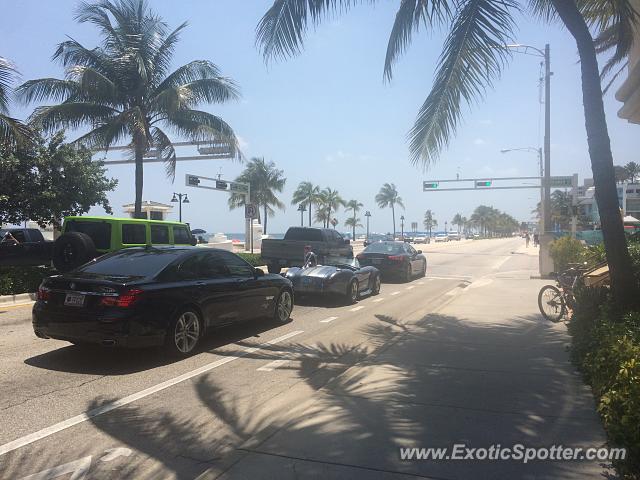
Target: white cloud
{"type": "Point", "coordinates": [479, 141]}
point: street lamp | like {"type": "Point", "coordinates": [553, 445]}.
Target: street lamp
{"type": "Point", "coordinates": [402, 227]}
{"type": "Point", "coordinates": [302, 209]}
{"type": "Point", "coordinates": [181, 198]}
{"type": "Point", "coordinates": [368, 215]}
{"type": "Point", "coordinates": [445, 227]}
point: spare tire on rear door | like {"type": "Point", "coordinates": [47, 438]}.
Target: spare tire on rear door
{"type": "Point", "coordinates": [72, 250]}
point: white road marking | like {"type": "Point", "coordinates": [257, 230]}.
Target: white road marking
{"type": "Point", "coordinates": [327, 320]}
{"type": "Point", "coordinates": [454, 291]}
{"type": "Point", "coordinates": [420, 283]}
{"type": "Point", "coordinates": [79, 468]}
{"type": "Point", "coordinates": [272, 365]}
{"type": "Point", "coordinates": [113, 453]}
{"type": "Point", "coordinates": [83, 417]}
{"type": "Point", "coordinates": [500, 262]}
{"type": "Point", "coordinates": [410, 287]}
{"type": "Point", "coordinates": [395, 293]}
{"type": "Point", "coordinates": [378, 300]}
{"type": "Point", "coordinates": [355, 309]}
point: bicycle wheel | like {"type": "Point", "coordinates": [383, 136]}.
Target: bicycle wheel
{"type": "Point", "coordinates": [551, 303]}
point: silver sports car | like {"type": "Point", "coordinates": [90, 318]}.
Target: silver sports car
{"type": "Point", "coordinates": [337, 276]}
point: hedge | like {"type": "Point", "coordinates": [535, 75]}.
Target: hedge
{"type": "Point", "coordinates": [16, 280]}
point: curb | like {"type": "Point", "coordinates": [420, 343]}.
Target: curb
{"type": "Point", "coordinates": [7, 300]}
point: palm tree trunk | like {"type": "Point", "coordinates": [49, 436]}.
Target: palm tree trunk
{"type": "Point", "coordinates": [265, 219]}
{"type": "Point", "coordinates": [310, 203]}
{"type": "Point", "coordinates": [393, 214]}
{"type": "Point", "coordinates": [139, 176]}
{"type": "Point", "coordinates": [353, 235]}
{"type": "Point", "coordinates": [623, 284]}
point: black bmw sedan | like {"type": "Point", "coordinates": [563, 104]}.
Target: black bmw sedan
{"type": "Point", "coordinates": [397, 259]}
{"type": "Point", "coordinates": [151, 296]}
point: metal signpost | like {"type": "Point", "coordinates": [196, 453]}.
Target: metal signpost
{"type": "Point", "coordinates": [231, 187]}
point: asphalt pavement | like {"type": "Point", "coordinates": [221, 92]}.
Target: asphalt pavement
{"type": "Point", "coordinates": [460, 355]}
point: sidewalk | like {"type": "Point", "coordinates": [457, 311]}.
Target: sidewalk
{"type": "Point", "coordinates": [484, 369]}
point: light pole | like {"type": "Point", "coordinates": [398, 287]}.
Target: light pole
{"type": "Point", "coordinates": [302, 209]}
{"type": "Point", "coordinates": [445, 227]}
{"type": "Point", "coordinates": [402, 227]}
{"type": "Point", "coordinates": [181, 198]}
{"type": "Point", "coordinates": [368, 215]}
{"type": "Point", "coordinates": [537, 151]}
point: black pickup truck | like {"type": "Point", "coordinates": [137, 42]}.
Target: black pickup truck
{"type": "Point", "coordinates": [29, 248]}
{"type": "Point", "coordinates": [289, 252]}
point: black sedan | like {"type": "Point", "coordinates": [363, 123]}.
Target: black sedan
{"type": "Point", "coordinates": [397, 259]}
{"type": "Point", "coordinates": [337, 276]}
{"type": "Point", "coordinates": [151, 296]}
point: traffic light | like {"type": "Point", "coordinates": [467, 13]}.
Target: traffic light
{"type": "Point", "coordinates": [426, 185]}
{"type": "Point", "coordinates": [483, 183]}
{"type": "Point", "coordinates": [220, 185]}
{"type": "Point", "coordinates": [193, 180]}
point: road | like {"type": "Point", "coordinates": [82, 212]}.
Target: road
{"type": "Point", "coordinates": [108, 413]}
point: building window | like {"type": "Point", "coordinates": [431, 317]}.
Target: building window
{"type": "Point", "coordinates": [156, 215]}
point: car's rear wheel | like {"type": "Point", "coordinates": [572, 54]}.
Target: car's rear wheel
{"type": "Point", "coordinates": [407, 273]}
{"type": "Point", "coordinates": [284, 306]}
{"type": "Point", "coordinates": [184, 333]}
{"type": "Point", "coordinates": [352, 292]}
{"type": "Point", "coordinates": [375, 290]}
{"type": "Point", "coordinates": [273, 268]}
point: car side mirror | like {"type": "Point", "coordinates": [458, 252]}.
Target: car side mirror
{"type": "Point", "coordinates": [258, 272]}
{"type": "Point", "coordinates": [419, 251]}
{"type": "Point", "coordinates": [194, 241]}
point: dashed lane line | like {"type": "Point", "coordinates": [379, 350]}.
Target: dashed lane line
{"type": "Point", "coordinates": [395, 293]}
{"type": "Point", "coordinates": [355, 309]}
{"type": "Point", "coordinates": [328, 320]}
{"type": "Point", "coordinates": [272, 365]}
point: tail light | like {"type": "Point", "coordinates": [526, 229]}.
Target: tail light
{"type": "Point", "coordinates": [44, 293]}
{"type": "Point", "coordinates": [124, 300]}
{"type": "Point", "coordinates": [396, 258]}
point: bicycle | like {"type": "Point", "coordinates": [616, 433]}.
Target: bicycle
{"type": "Point", "coordinates": [554, 300]}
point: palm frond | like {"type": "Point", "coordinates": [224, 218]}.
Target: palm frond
{"type": "Point", "coordinates": [70, 115]}
{"type": "Point", "coordinates": [280, 32]}
{"type": "Point", "coordinates": [165, 150]}
{"type": "Point", "coordinates": [14, 133]}
{"type": "Point", "coordinates": [473, 56]}
{"type": "Point", "coordinates": [210, 90]}
{"type": "Point", "coordinates": [195, 70]}
{"type": "Point", "coordinates": [411, 14]}
{"type": "Point", "coordinates": [8, 74]}
{"type": "Point", "coordinates": [47, 89]}
{"type": "Point", "coordinates": [107, 134]}
{"type": "Point", "coordinates": [93, 84]}
{"type": "Point", "coordinates": [614, 76]}
{"type": "Point", "coordinates": [164, 52]}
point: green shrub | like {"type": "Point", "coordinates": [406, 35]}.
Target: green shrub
{"type": "Point", "coordinates": [253, 258]}
{"type": "Point", "coordinates": [606, 349]}
{"type": "Point", "coordinates": [566, 250]}
{"type": "Point", "coordinates": [15, 280]}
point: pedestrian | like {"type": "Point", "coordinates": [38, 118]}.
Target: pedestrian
{"type": "Point", "coordinates": [527, 238]}
{"type": "Point", "coordinates": [536, 239]}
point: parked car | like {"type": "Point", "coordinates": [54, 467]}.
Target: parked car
{"type": "Point", "coordinates": [145, 296]}
{"type": "Point", "coordinates": [24, 247]}
{"type": "Point", "coordinates": [336, 276]}
{"type": "Point", "coordinates": [421, 239]}
{"type": "Point", "coordinates": [454, 236]}
{"type": "Point", "coordinates": [290, 251]}
{"type": "Point", "coordinates": [441, 237]}
{"type": "Point", "coordinates": [394, 259]}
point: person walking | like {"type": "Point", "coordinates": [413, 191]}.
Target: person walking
{"type": "Point", "coordinates": [536, 239]}
{"type": "Point", "coordinates": [527, 238]}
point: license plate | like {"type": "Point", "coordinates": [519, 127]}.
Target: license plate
{"type": "Point", "coordinates": [376, 261]}
{"type": "Point", "coordinates": [74, 300]}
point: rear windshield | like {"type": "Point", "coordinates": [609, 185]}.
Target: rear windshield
{"type": "Point", "coordinates": [100, 232]}
{"type": "Point", "coordinates": [135, 263]}
{"type": "Point", "coordinates": [307, 234]}
{"type": "Point", "coordinates": [383, 247]}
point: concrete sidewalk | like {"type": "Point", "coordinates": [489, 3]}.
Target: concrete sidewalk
{"type": "Point", "coordinates": [484, 369]}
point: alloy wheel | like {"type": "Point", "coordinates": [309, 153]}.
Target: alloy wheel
{"type": "Point", "coordinates": [187, 332]}
{"type": "Point", "coordinates": [284, 306]}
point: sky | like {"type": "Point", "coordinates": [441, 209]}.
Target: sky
{"type": "Point", "coordinates": [328, 117]}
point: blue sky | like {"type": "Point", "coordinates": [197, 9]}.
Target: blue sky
{"type": "Point", "coordinates": [327, 116]}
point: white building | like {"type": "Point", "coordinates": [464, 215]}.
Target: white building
{"type": "Point", "coordinates": [628, 199]}
{"type": "Point", "coordinates": [152, 210]}
{"type": "Point", "coordinates": [629, 91]}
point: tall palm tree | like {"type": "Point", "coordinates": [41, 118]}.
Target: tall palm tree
{"type": "Point", "coordinates": [354, 206]}
{"type": "Point", "coordinates": [265, 180]}
{"type": "Point", "coordinates": [353, 222]}
{"type": "Point", "coordinates": [633, 171]}
{"type": "Point", "coordinates": [306, 194]}
{"type": "Point", "coordinates": [123, 89]}
{"type": "Point", "coordinates": [331, 202]}
{"type": "Point", "coordinates": [388, 197]}
{"type": "Point", "coordinates": [12, 131]}
{"type": "Point", "coordinates": [429, 222]}
{"type": "Point", "coordinates": [458, 221]}
{"type": "Point", "coordinates": [473, 57]}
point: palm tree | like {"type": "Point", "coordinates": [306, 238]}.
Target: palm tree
{"type": "Point", "coordinates": [473, 57]}
{"type": "Point", "coordinates": [306, 194]}
{"type": "Point", "coordinates": [265, 179]}
{"type": "Point", "coordinates": [12, 131]}
{"type": "Point", "coordinates": [122, 89]}
{"type": "Point", "coordinates": [353, 222]}
{"type": "Point", "coordinates": [457, 220]}
{"type": "Point", "coordinates": [388, 197]}
{"type": "Point", "coordinates": [355, 207]}
{"type": "Point", "coordinates": [633, 171]}
{"type": "Point", "coordinates": [331, 202]}
{"type": "Point", "coordinates": [429, 222]}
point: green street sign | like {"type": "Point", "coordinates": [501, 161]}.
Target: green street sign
{"type": "Point", "coordinates": [483, 183]}
{"type": "Point", "coordinates": [427, 185]}
{"type": "Point", "coordinates": [560, 182]}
